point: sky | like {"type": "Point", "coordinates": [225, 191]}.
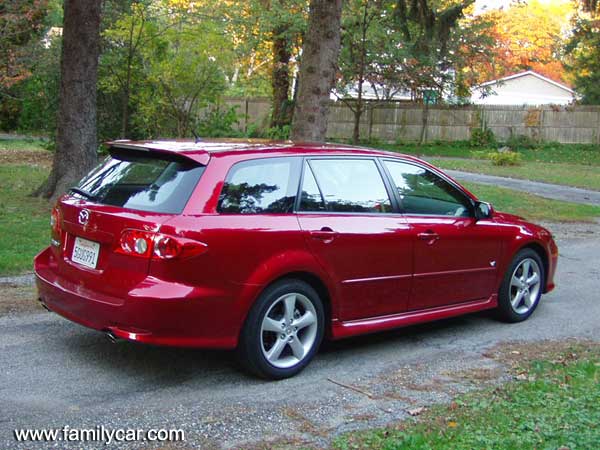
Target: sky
{"type": "Point", "coordinates": [486, 5]}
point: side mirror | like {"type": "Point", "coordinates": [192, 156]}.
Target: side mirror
{"type": "Point", "coordinates": [483, 210]}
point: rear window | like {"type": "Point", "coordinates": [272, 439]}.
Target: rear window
{"type": "Point", "coordinates": [142, 181]}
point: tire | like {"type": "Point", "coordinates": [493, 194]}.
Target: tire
{"type": "Point", "coordinates": [283, 330]}
{"type": "Point", "coordinates": [520, 292]}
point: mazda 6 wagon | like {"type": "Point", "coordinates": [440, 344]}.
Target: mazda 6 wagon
{"type": "Point", "coordinates": [269, 248]}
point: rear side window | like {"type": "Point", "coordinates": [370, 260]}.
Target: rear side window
{"type": "Point", "coordinates": [346, 185]}
{"type": "Point", "coordinates": [261, 186]}
{"type": "Point", "coordinates": [142, 181]}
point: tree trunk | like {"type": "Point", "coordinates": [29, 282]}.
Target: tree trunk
{"type": "Point", "coordinates": [76, 140]}
{"type": "Point", "coordinates": [281, 80]}
{"type": "Point", "coordinates": [424, 121]}
{"type": "Point", "coordinates": [358, 112]}
{"type": "Point", "coordinates": [317, 70]}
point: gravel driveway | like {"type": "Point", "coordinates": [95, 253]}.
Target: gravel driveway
{"type": "Point", "coordinates": [55, 373]}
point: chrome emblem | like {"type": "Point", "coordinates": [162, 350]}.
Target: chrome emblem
{"type": "Point", "coordinates": [84, 216]}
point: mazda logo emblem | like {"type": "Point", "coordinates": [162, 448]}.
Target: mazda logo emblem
{"type": "Point", "coordinates": [84, 216]}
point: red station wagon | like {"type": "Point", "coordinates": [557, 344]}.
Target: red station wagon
{"type": "Point", "coordinates": [269, 247]}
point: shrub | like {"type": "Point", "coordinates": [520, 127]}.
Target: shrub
{"type": "Point", "coordinates": [521, 141]}
{"type": "Point", "coordinates": [219, 123]}
{"type": "Point", "coordinates": [505, 158]}
{"type": "Point", "coordinates": [482, 137]}
{"type": "Point", "coordinates": [279, 133]}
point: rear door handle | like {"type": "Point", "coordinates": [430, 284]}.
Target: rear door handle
{"type": "Point", "coordinates": [325, 234]}
{"type": "Point", "coordinates": [428, 235]}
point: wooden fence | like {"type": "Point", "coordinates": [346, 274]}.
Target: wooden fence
{"type": "Point", "coordinates": [392, 122]}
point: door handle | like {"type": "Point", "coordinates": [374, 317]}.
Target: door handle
{"type": "Point", "coordinates": [325, 234]}
{"type": "Point", "coordinates": [428, 235]}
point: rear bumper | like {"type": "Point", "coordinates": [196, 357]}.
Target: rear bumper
{"type": "Point", "coordinates": [153, 312]}
{"type": "Point", "coordinates": [552, 263]}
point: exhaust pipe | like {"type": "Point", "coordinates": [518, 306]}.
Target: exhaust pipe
{"type": "Point", "coordinates": [112, 338]}
{"type": "Point", "coordinates": [43, 305]}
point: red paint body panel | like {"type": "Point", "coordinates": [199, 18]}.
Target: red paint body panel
{"type": "Point", "coordinates": [368, 259]}
{"type": "Point", "coordinates": [378, 271]}
{"type": "Point", "coordinates": [459, 266]}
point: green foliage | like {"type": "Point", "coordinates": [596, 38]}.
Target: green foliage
{"type": "Point", "coordinates": [506, 158]}
{"type": "Point", "coordinates": [482, 137]}
{"type": "Point", "coordinates": [161, 67]}
{"type": "Point", "coordinates": [39, 93]}
{"type": "Point", "coordinates": [279, 133]}
{"type": "Point", "coordinates": [520, 142]}
{"type": "Point", "coordinates": [219, 123]}
{"type": "Point", "coordinates": [557, 407]}
{"type": "Point", "coordinates": [21, 25]}
{"type": "Point", "coordinates": [583, 61]}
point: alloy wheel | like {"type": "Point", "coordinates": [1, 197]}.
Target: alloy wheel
{"type": "Point", "coordinates": [525, 285]}
{"type": "Point", "coordinates": [288, 330]}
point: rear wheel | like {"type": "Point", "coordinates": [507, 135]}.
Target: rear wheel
{"type": "Point", "coordinates": [283, 330]}
{"type": "Point", "coordinates": [522, 287]}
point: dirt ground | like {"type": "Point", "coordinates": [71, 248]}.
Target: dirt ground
{"type": "Point", "coordinates": [26, 157]}
{"type": "Point", "coordinates": [18, 299]}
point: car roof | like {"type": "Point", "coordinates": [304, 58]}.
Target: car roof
{"type": "Point", "coordinates": [202, 150]}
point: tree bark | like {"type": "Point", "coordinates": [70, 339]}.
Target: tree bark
{"type": "Point", "coordinates": [317, 70]}
{"type": "Point", "coordinates": [76, 140]}
{"type": "Point", "coordinates": [281, 80]}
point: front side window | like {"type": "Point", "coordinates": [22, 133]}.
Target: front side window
{"type": "Point", "coordinates": [344, 185]}
{"type": "Point", "coordinates": [423, 192]}
{"type": "Point", "coordinates": [142, 181]}
{"type": "Point", "coordinates": [261, 186]}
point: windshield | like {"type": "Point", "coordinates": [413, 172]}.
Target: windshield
{"type": "Point", "coordinates": [142, 181]}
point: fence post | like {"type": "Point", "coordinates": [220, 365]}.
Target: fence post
{"type": "Point", "coordinates": [246, 110]}
{"type": "Point", "coordinates": [370, 123]}
{"type": "Point", "coordinates": [541, 121]}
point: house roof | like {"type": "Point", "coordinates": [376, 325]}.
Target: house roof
{"type": "Point", "coordinates": [523, 74]}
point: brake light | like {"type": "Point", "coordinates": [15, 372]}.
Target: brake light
{"type": "Point", "coordinates": [146, 244]}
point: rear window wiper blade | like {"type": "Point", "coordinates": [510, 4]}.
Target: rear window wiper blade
{"type": "Point", "coordinates": [83, 193]}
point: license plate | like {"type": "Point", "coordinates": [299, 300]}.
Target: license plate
{"type": "Point", "coordinates": [85, 252]}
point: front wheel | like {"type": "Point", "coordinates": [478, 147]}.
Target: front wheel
{"type": "Point", "coordinates": [283, 330]}
{"type": "Point", "coordinates": [522, 287]}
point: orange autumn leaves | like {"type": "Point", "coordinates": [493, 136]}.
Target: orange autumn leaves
{"type": "Point", "coordinates": [529, 36]}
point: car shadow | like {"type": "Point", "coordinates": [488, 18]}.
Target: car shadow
{"type": "Point", "coordinates": [149, 367]}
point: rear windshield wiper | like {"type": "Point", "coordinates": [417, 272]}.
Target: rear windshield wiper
{"type": "Point", "coordinates": [83, 193]}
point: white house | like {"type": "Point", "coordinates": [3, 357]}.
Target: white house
{"type": "Point", "coordinates": [525, 88]}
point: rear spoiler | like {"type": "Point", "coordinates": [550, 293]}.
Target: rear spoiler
{"type": "Point", "coordinates": [165, 147]}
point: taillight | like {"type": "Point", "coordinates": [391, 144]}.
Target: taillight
{"type": "Point", "coordinates": [146, 244]}
{"type": "Point", "coordinates": [136, 243]}
{"type": "Point", "coordinates": [55, 228]}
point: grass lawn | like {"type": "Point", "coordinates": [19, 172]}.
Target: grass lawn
{"type": "Point", "coordinates": [578, 175]}
{"type": "Point", "coordinates": [24, 221]}
{"type": "Point", "coordinates": [556, 404]}
{"type": "Point", "coordinates": [33, 144]}
{"type": "Point", "coordinates": [583, 154]}
{"type": "Point", "coordinates": [571, 165]}
{"type": "Point", "coordinates": [533, 207]}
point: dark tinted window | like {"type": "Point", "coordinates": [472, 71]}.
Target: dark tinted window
{"type": "Point", "coordinates": [142, 181]}
{"type": "Point", "coordinates": [312, 200]}
{"type": "Point", "coordinates": [261, 186]}
{"type": "Point", "coordinates": [348, 185]}
{"type": "Point", "coordinates": [423, 192]}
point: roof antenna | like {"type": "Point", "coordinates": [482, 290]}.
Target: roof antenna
{"type": "Point", "coordinates": [196, 137]}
